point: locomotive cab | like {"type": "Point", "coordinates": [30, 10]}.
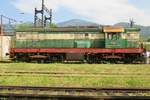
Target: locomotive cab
{"type": "Point", "coordinates": [113, 37]}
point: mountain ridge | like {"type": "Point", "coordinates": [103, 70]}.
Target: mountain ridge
{"type": "Point", "coordinates": [76, 22]}
{"type": "Point", "coordinates": [145, 30]}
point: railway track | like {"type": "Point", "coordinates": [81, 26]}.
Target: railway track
{"type": "Point", "coordinates": [62, 97]}
{"type": "Point", "coordinates": [74, 93]}
{"type": "Point", "coordinates": [74, 74]}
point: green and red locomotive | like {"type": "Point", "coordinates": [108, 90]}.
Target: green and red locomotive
{"type": "Point", "coordinates": [89, 44]}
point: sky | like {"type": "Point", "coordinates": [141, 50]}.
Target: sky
{"type": "Point", "coordinates": [107, 12]}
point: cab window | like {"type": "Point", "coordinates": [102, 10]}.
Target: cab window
{"type": "Point", "coordinates": [113, 36]}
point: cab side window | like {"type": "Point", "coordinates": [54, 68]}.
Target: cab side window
{"type": "Point", "coordinates": [113, 36]}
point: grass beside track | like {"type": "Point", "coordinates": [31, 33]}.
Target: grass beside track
{"type": "Point", "coordinates": [120, 80]}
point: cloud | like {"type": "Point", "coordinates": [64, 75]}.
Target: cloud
{"type": "Point", "coordinates": [100, 11]}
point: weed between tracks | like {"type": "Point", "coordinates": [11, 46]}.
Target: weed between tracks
{"type": "Point", "coordinates": [119, 80]}
{"type": "Point", "coordinates": [93, 68]}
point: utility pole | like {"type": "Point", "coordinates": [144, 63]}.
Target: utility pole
{"type": "Point", "coordinates": [42, 13]}
{"type": "Point", "coordinates": [35, 17]}
{"type": "Point", "coordinates": [1, 25]}
{"type": "Point", "coordinates": [1, 35]}
{"type": "Point", "coordinates": [132, 23]}
{"type": "Point", "coordinates": [43, 18]}
{"type": "Point", "coordinates": [48, 18]}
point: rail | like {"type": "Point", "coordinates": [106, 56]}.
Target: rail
{"type": "Point", "coordinates": [71, 74]}
{"type": "Point", "coordinates": [65, 93]}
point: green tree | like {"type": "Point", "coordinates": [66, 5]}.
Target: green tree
{"type": "Point", "coordinates": [53, 25]}
{"type": "Point", "coordinates": [24, 26]}
{"type": "Point", "coordinates": [148, 40]}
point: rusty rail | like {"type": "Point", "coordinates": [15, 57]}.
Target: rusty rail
{"type": "Point", "coordinates": [65, 93]}
{"type": "Point", "coordinates": [62, 97]}
{"type": "Point", "coordinates": [75, 88]}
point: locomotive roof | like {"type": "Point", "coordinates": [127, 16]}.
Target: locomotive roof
{"type": "Point", "coordinates": [79, 29]}
{"type": "Point", "coordinates": [60, 29]}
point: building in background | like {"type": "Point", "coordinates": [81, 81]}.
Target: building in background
{"type": "Point", "coordinates": [6, 34]}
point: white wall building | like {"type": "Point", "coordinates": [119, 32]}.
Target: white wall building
{"type": "Point", "coordinates": [5, 43]}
